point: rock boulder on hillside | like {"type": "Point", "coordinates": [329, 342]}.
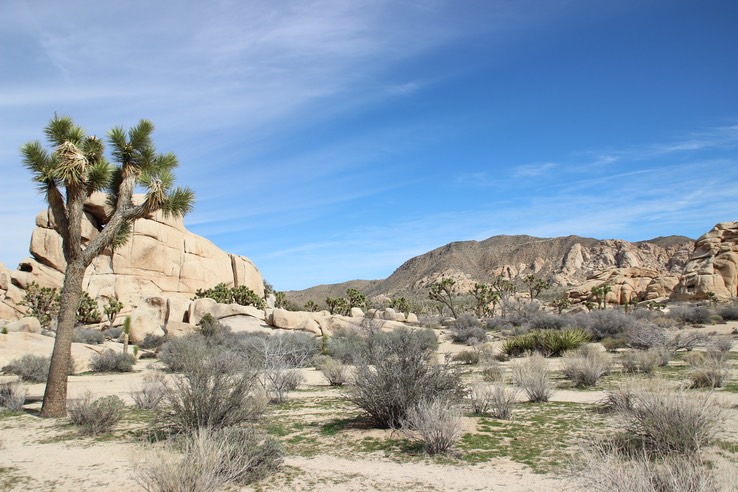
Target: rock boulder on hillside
{"type": "Point", "coordinates": [713, 267]}
{"type": "Point", "coordinates": [161, 259]}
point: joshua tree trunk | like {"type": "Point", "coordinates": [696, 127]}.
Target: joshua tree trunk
{"type": "Point", "coordinates": [55, 395]}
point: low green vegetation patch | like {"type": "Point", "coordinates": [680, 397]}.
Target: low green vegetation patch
{"type": "Point", "coordinates": [540, 436]}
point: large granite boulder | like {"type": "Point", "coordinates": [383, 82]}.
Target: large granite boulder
{"type": "Point", "coordinates": [713, 266]}
{"type": "Point", "coordinates": [161, 259]}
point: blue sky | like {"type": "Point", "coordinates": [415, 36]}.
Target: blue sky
{"type": "Point", "coordinates": [332, 140]}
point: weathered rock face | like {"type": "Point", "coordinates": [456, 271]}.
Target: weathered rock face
{"type": "Point", "coordinates": [713, 267]}
{"type": "Point", "coordinates": [632, 284]}
{"type": "Point", "coordinates": [161, 259]}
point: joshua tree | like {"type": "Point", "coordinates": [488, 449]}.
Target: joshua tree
{"type": "Point", "coordinates": [485, 295]}
{"type": "Point", "coordinates": [67, 175]}
{"type": "Point", "coordinates": [441, 292]}
{"type": "Point", "coordinates": [535, 286]}
{"type": "Point", "coordinates": [600, 293]}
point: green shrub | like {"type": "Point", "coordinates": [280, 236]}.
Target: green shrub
{"type": "Point", "coordinates": [229, 295]}
{"type": "Point", "coordinates": [112, 361]}
{"type": "Point", "coordinates": [112, 308]}
{"type": "Point", "coordinates": [209, 326]}
{"type": "Point", "coordinates": [42, 303]}
{"type": "Point", "coordinates": [95, 417]}
{"type": "Point", "coordinates": [552, 343]}
{"type": "Point", "coordinates": [87, 310]}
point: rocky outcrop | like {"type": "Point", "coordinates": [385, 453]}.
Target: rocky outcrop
{"type": "Point", "coordinates": [713, 267]}
{"type": "Point", "coordinates": [570, 263]}
{"type": "Point", "coordinates": [162, 259]}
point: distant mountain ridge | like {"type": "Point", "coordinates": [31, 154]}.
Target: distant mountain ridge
{"type": "Point", "coordinates": [565, 261]}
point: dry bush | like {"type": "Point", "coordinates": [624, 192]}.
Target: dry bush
{"type": "Point", "coordinates": [601, 467]}
{"type": "Point", "coordinates": [669, 420]}
{"type": "Point", "coordinates": [533, 375]}
{"type": "Point", "coordinates": [151, 392]}
{"type": "Point", "coordinates": [397, 371]}
{"type": "Point", "coordinates": [30, 367]}
{"type": "Point", "coordinates": [209, 460]}
{"type": "Point", "coordinates": [221, 391]}
{"type": "Point", "coordinates": [438, 424]}
{"type": "Point", "coordinates": [708, 370]}
{"type": "Point", "coordinates": [112, 361]}
{"type": "Point", "coordinates": [12, 396]}
{"type": "Point", "coordinates": [493, 371]}
{"type": "Point", "coordinates": [94, 417]}
{"type": "Point", "coordinates": [495, 399]}
{"type": "Point", "coordinates": [639, 361]}
{"type": "Point", "coordinates": [586, 366]}
{"type": "Point", "coordinates": [336, 373]}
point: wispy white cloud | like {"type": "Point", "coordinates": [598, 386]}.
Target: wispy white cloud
{"type": "Point", "coordinates": [533, 170]}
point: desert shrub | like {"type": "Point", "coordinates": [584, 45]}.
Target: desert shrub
{"type": "Point", "coordinates": [719, 346]}
{"type": "Point", "coordinates": [395, 372]}
{"type": "Point", "coordinates": [333, 370]}
{"type": "Point", "coordinates": [180, 353]}
{"type": "Point", "coordinates": [210, 460]}
{"type": "Point", "coordinates": [585, 366]}
{"type": "Point", "coordinates": [219, 391]}
{"type": "Point", "coordinates": [548, 321]}
{"type": "Point", "coordinates": [602, 467]}
{"type": "Point", "coordinates": [690, 315]}
{"type": "Point", "coordinates": [638, 361]}
{"type": "Point", "coordinates": [467, 329]}
{"type": "Point", "coordinates": [437, 423]}
{"type": "Point", "coordinates": [151, 392]}
{"type": "Point", "coordinates": [94, 417]}
{"type": "Point", "coordinates": [548, 342]}
{"type": "Point", "coordinates": [228, 295]}
{"type": "Point", "coordinates": [533, 375]}
{"type": "Point", "coordinates": [430, 321]}
{"type": "Point", "coordinates": [468, 357]}
{"type": "Point", "coordinates": [708, 370]}
{"type": "Point", "coordinates": [495, 399]}
{"type": "Point", "coordinates": [87, 310]}
{"type": "Point", "coordinates": [612, 344]}
{"type": "Point", "coordinates": [499, 324]}
{"type": "Point", "coordinates": [603, 323]}
{"type": "Point", "coordinates": [112, 333]}
{"type": "Point", "coordinates": [88, 335]}
{"type": "Point", "coordinates": [493, 371]}
{"type": "Point", "coordinates": [278, 380]}
{"type": "Point", "coordinates": [41, 302]}
{"type": "Point", "coordinates": [209, 326]}
{"type": "Point", "coordinates": [12, 396]}
{"type": "Point", "coordinates": [663, 355]}
{"type": "Point", "coordinates": [112, 361]}
{"type": "Point", "coordinates": [729, 312]}
{"type": "Point", "coordinates": [30, 367]}
{"type": "Point", "coordinates": [152, 342]}
{"type": "Point", "coordinates": [344, 345]}
{"type": "Point", "coordinates": [669, 421]}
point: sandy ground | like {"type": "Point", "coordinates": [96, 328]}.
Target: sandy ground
{"type": "Point", "coordinates": [37, 454]}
